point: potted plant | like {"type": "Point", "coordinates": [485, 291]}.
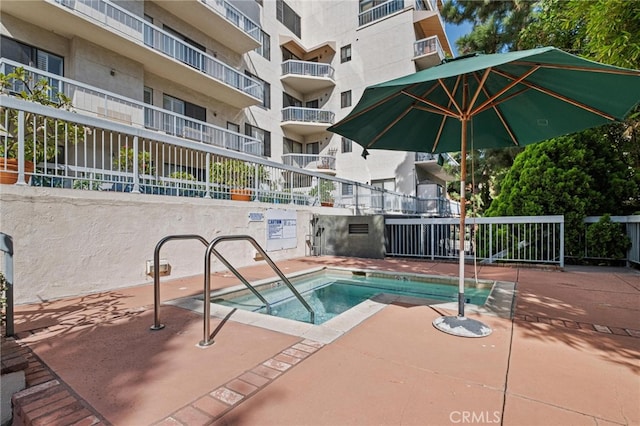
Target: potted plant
{"type": "Point", "coordinates": [38, 132]}
{"type": "Point", "coordinates": [238, 177]}
{"type": "Point", "coordinates": [326, 188]}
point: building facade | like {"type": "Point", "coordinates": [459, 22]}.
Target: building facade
{"type": "Point", "coordinates": [262, 77]}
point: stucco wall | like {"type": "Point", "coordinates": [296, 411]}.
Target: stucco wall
{"type": "Point", "coordinates": [72, 242]}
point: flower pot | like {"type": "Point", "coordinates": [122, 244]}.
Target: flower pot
{"type": "Point", "coordinates": [241, 194]}
{"type": "Point", "coordinates": [326, 203]}
{"type": "Point", "coordinates": [9, 170]}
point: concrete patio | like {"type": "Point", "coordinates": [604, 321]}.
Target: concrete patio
{"type": "Point", "coordinates": [570, 356]}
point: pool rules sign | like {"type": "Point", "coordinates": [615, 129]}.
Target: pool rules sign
{"type": "Point", "coordinates": [281, 229]}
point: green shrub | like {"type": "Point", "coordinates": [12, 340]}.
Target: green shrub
{"type": "Point", "coordinates": [607, 240]}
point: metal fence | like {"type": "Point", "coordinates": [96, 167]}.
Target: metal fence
{"type": "Point", "coordinates": [630, 226]}
{"type": "Point", "coordinates": [70, 150]}
{"type": "Point", "coordinates": [313, 69]}
{"type": "Point", "coordinates": [380, 11]}
{"type": "Point", "coordinates": [524, 239]}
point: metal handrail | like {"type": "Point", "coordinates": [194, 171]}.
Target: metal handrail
{"type": "Point", "coordinates": [156, 273]}
{"type": "Point", "coordinates": [206, 341]}
{"type": "Point", "coordinates": [6, 246]}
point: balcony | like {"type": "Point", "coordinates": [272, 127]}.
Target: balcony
{"type": "Point", "coordinates": [429, 22]}
{"type": "Point", "coordinates": [380, 11]}
{"type": "Point", "coordinates": [432, 164]}
{"type": "Point", "coordinates": [427, 52]}
{"type": "Point", "coordinates": [219, 20]}
{"type": "Point", "coordinates": [93, 101]}
{"type": "Point", "coordinates": [307, 77]}
{"type": "Point", "coordinates": [306, 121]}
{"type": "Point", "coordinates": [115, 28]}
{"type": "Point", "coordinates": [313, 162]}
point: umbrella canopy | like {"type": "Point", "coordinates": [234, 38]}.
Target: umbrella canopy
{"type": "Point", "coordinates": [499, 100]}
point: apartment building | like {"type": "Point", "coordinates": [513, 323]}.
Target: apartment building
{"type": "Point", "coordinates": [262, 77]}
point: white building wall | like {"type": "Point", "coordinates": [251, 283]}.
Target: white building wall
{"type": "Point", "coordinates": [73, 242]}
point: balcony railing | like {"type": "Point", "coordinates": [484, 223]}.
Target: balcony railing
{"type": "Point", "coordinates": [92, 153]}
{"type": "Point", "coordinates": [307, 115]}
{"type": "Point", "coordinates": [129, 25]}
{"type": "Point", "coordinates": [311, 69]}
{"type": "Point", "coordinates": [380, 11]}
{"type": "Point", "coordinates": [310, 161]}
{"type": "Point", "coordinates": [428, 46]}
{"type": "Point", "coordinates": [430, 5]}
{"type": "Point", "coordinates": [95, 101]}
{"type": "Point", "coordinates": [234, 16]}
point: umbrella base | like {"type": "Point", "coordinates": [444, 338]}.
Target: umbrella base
{"type": "Point", "coordinates": [461, 326]}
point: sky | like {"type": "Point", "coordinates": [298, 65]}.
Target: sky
{"type": "Point", "coordinates": [454, 32]}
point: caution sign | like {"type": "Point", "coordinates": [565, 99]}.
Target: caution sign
{"type": "Point", "coordinates": [282, 229]}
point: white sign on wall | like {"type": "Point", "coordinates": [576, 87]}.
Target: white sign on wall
{"type": "Point", "coordinates": [281, 229]}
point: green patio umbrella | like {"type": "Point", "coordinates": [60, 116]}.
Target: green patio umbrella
{"type": "Point", "coordinates": [498, 100]}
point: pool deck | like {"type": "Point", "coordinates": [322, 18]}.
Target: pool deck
{"type": "Point", "coordinates": [569, 356]}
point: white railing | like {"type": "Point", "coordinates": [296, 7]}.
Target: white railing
{"type": "Point", "coordinates": [524, 239]}
{"type": "Point", "coordinates": [380, 11]}
{"type": "Point", "coordinates": [308, 115]}
{"type": "Point", "coordinates": [310, 161]}
{"type": "Point", "coordinates": [234, 16]}
{"type": "Point", "coordinates": [428, 46]}
{"type": "Point", "coordinates": [129, 25]}
{"type": "Point", "coordinates": [92, 100]}
{"type": "Point", "coordinates": [430, 5]}
{"type": "Point", "coordinates": [631, 226]}
{"type": "Point", "coordinates": [313, 69]}
{"type": "Point", "coordinates": [78, 151]}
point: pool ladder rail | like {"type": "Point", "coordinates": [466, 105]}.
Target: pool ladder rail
{"type": "Point", "coordinates": [207, 336]}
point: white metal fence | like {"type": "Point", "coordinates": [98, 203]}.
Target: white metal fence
{"type": "Point", "coordinates": [313, 69]}
{"type": "Point", "coordinates": [308, 115]}
{"type": "Point", "coordinates": [380, 11]}
{"type": "Point", "coordinates": [631, 226]}
{"type": "Point", "coordinates": [70, 150]}
{"type": "Point", "coordinates": [525, 239]}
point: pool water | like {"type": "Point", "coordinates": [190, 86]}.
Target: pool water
{"type": "Point", "coordinates": [329, 296]}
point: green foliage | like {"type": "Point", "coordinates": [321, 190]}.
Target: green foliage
{"type": "Point", "coordinates": [606, 31]}
{"type": "Point", "coordinates": [576, 176]}
{"type": "Point", "coordinates": [496, 24]}
{"type": "Point", "coordinates": [326, 190]}
{"type": "Point", "coordinates": [237, 173]}
{"type": "Point", "coordinates": [38, 129]}
{"type": "Point", "coordinates": [607, 240]}
{"type": "Point", "coordinates": [124, 161]}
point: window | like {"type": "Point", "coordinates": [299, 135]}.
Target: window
{"type": "Point", "coordinates": [288, 55]}
{"type": "Point", "coordinates": [181, 126]}
{"type": "Point", "coordinates": [347, 145]}
{"type": "Point", "coordinates": [31, 56]}
{"type": "Point", "coordinates": [267, 89]}
{"type": "Point", "coordinates": [265, 45]}
{"type": "Point", "coordinates": [290, 146]}
{"type": "Point", "coordinates": [288, 17]}
{"type": "Point", "coordinates": [184, 38]}
{"type": "Point", "coordinates": [149, 116]}
{"type": "Point", "coordinates": [386, 184]}
{"type": "Point", "coordinates": [345, 99]}
{"type": "Point", "coordinates": [180, 51]}
{"type": "Point", "coordinates": [347, 189]}
{"type": "Point", "coordinates": [312, 104]}
{"type": "Point", "coordinates": [290, 101]}
{"type": "Point", "coordinates": [345, 53]}
{"type": "Point", "coordinates": [260, 134]}
{"type": "Point", "coordinates": [313, 148]}
{"type": "Point", "coordinates": [233, 141]}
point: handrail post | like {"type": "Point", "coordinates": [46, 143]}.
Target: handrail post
{"type": "Point", "coordinates": [156, 274]}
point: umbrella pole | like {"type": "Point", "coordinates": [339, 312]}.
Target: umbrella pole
{"type": "Point", "coordinates": [461, 325]}
{"type": "Point", "coordinates": [463, 212]}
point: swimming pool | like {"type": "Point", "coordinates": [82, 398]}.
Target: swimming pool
{"type": "Point", "coordinates": [330, 292]}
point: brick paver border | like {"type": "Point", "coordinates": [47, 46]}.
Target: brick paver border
{"type": "Point", "coordinates": [215, 404]}
{"type": "Point", "coordinates": [629, 332]}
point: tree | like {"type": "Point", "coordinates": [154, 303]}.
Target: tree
{"type": "Point", "coordinates": [576, 176]}
{"type": "Point", "coordinates": [496, 24]}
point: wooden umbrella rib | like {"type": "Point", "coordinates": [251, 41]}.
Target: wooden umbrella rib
{"type": "Point", "coordinates": [579, 68]}
{"type": "Point", "coordinates": [515, 81]}
{"type": "Point", "coordinates": [480, 88]}
{"type": "Point", "coordinates": [452, 100]}
{"type": "Point", "coordinates": [389, 126]}
{"type": "Point", "coordinates": [440, 108]}
{"type": "Point", "coordinates": [561, 97]}
{"type": "Point", "coordinates": [369, 108]}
